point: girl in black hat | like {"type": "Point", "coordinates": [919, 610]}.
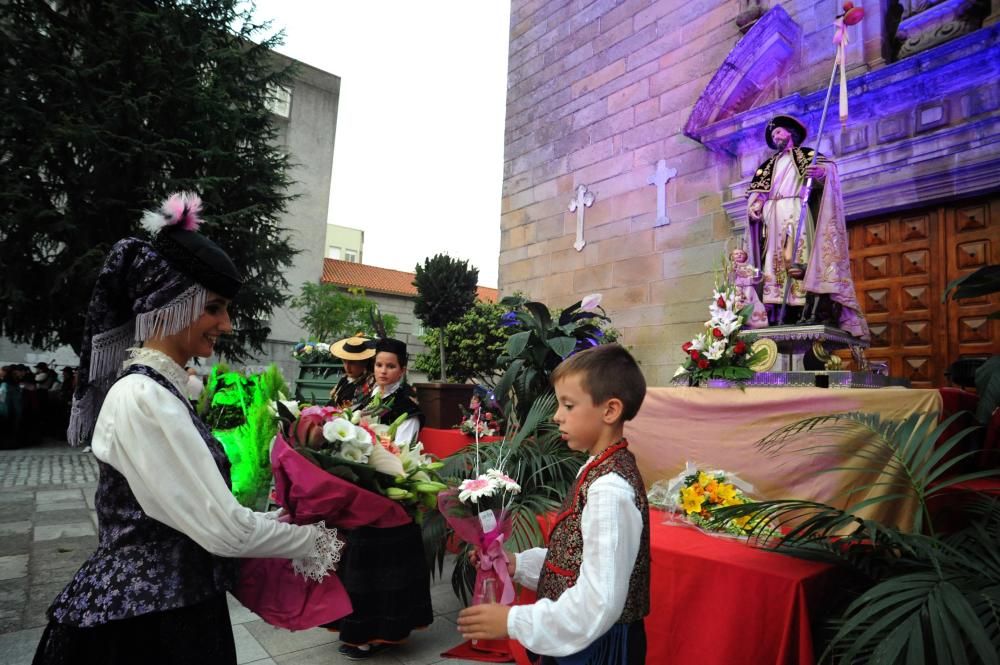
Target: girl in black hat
{"type": "Point", "coordinates": [170, 532]}
{"type": "Point", "coordinates": [384, 570]}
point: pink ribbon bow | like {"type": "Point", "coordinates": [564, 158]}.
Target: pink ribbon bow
{"type": "Point", "coordinates": [493, 557]}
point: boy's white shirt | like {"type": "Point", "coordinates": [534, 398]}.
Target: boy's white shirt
{"type": "Point", "coordinates": [612, 529]}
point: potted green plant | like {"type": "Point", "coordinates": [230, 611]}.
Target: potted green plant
{"type": "Point", "coordinates": [446, 290]}
{"type": "Point", "coordinates": [539, 342]}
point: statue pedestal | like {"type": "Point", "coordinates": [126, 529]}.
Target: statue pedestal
{"type": "Point", "coordinates": [796, 340]}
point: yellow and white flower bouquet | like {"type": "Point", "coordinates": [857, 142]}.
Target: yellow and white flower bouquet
{"type": "Point", "coordinates": [695, 493]}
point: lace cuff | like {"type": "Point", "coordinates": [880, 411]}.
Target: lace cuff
{"type": "Point", "coordinates": [325, 555]}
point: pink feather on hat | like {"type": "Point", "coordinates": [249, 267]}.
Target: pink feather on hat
{"type": "Point", "coordinates": [180, 209]}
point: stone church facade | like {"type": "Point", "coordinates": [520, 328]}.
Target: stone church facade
{"type": "Point", "coordinates": [600, 91]}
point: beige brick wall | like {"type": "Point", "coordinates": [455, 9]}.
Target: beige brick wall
{"type": "Point", "coordinates": [598, 91]}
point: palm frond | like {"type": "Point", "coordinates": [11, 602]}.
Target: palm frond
{"type": "Point", "coordinates": [904, 456]}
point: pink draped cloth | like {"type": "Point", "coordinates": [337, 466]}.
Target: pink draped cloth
{"type": "Point", "coordinates": [270, 587]}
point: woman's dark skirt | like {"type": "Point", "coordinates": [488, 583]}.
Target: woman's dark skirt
{"type": "Point", "coordinates": [197, 635]}
{"type": "Point", "coordinates": [388, 581]}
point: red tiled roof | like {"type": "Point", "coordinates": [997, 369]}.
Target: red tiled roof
{"type": "Point", "coordinates": [380, 280]}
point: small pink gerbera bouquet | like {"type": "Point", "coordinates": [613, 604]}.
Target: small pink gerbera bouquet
{"type": "Point", "coordinates": [477, 510]}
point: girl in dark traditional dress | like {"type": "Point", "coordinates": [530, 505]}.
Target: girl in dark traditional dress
{"type": "Point", "coordinates": [384, 570]}
{"type": "Point", "coordinates": [170, 531]}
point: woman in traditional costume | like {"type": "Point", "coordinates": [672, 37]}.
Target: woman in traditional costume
{"type": "Point", "coordinates": [170, 531]}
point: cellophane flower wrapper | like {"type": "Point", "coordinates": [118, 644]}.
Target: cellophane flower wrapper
{"type": "Point", "coordinates": [493, 558]}
{"type": "Point", "coordinates": [270, 587]}
{"type": "Point", "coordinates": [666, 495]}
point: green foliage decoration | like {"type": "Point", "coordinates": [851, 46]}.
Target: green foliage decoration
{"type": "Point", "coordinates": [540, 340]}
{"type": "Point", "coordinates": [237, 407]}
{"type": "Point", "coordinates": [982, 282]}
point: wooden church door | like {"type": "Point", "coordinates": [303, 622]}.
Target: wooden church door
{"type": "Point", "coordinates": [901, 264]}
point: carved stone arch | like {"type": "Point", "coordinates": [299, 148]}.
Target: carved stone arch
{"type": "Point", "coordinates": [749, 73]}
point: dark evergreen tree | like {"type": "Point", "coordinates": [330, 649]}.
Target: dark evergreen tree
{"type": "Point", "coordinates": [106, 106]}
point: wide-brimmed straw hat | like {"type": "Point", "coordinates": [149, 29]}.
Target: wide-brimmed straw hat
{"type": "Point", "coordinates": [354, 348]}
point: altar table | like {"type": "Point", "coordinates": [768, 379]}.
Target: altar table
{"type": "Point", "coordinates": [716, 428]}
{"type": "Point", "coordinates": [716, 600]}
{"type": "Point", "coordinates": [445, 442]}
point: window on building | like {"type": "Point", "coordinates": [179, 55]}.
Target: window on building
{"type": "Point", "coordinates": [279, 102]}
{"type": "Point", "coordinates": [350, 255]}
{"type": "Point", "coordinates": [333, 252]}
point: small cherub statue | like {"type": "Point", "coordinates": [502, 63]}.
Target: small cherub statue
{"type": "Point", "coordinates": [745, 278]}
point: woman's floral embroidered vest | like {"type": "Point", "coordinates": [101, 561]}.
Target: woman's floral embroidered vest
{"type": "Point", "coordinates": [565, 555]}
{"type": "Point", "coordinates": [142, 565]}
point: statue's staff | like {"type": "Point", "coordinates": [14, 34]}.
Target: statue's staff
{"type": "Point", "coordinates": [851, 16]}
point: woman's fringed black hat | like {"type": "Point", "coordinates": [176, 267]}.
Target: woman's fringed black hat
{"type": "Point", "coordinates": [145, 291]}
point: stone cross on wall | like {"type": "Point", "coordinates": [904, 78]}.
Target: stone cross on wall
{"type": "Point", "coordinates": [660, 178]}
{"type": "Point", "coordinates": [584, 199]}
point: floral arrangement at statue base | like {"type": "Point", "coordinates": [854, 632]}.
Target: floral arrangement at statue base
{"type": "Point", "coordinates": [717, 353]}
{"type": "Point", "coordinates": [483, 416]}
{"type": "Point", "coordinates": [692, 496]}
{"type": "Point", "coordinates": [477, 510]}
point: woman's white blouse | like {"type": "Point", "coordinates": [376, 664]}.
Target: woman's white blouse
{"type": "Point", "coordinates": [147, 435]}
{"type": "Point", "coordinates": [612, 529]}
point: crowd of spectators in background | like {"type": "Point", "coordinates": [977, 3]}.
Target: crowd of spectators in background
{"type": "Point", "coordinates": [34, 403]}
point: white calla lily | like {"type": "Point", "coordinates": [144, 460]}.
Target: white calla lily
{"type": "Point", "coordinates": [385, 462]}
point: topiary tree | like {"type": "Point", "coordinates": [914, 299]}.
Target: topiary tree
{"type": "Point", "coordinates": [472, 345]}
{"type": "Point", "coordinates": [446, 290]}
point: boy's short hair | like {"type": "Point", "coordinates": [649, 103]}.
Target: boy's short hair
{"type": "Point", "coordinates": [607, 371]}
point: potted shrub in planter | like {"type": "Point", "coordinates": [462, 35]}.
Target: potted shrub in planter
{"type": "Point", "coordinates": [446, 290]}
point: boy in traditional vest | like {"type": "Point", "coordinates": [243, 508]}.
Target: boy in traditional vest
{"type": "Point", "coordinates": [593, 580]}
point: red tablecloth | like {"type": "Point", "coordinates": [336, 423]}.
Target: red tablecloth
{"type": "Point", "coordinates": [716, 600]}
{"type": "Point", "coordinates": [445, 442]}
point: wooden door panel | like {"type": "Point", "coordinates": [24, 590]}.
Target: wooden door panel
{"type": "Point", "coordinates": [901, 264]}
{"type": "Point", "coordinates": [974, 242]}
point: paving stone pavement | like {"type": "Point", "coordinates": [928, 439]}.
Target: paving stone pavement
{"type": "Point", "coordinates": [48, 527]}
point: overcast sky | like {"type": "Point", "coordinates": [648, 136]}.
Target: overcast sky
{"type": "Point", "coordinates": [418, 159]}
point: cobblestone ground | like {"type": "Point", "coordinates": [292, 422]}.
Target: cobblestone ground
{"type": "Point", "coordinates": [48, 527]}
{"type": "Point", "coordinates": [22, 469]}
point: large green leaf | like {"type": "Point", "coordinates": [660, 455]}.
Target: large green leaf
{"type": "Point", "coordinates": [988, 388]}
{"type": "Point", "coordinates": [542, 316]}
{"type": "Point", "coordinates": [563, 346]}
{"type": "Point", "coordinates": [517, 342]}
{"type": "Point", "coordinates": [982, 282]}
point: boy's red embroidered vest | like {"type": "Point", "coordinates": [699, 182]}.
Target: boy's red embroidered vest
{"type": "Point", "coordinates": [565, 555]}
